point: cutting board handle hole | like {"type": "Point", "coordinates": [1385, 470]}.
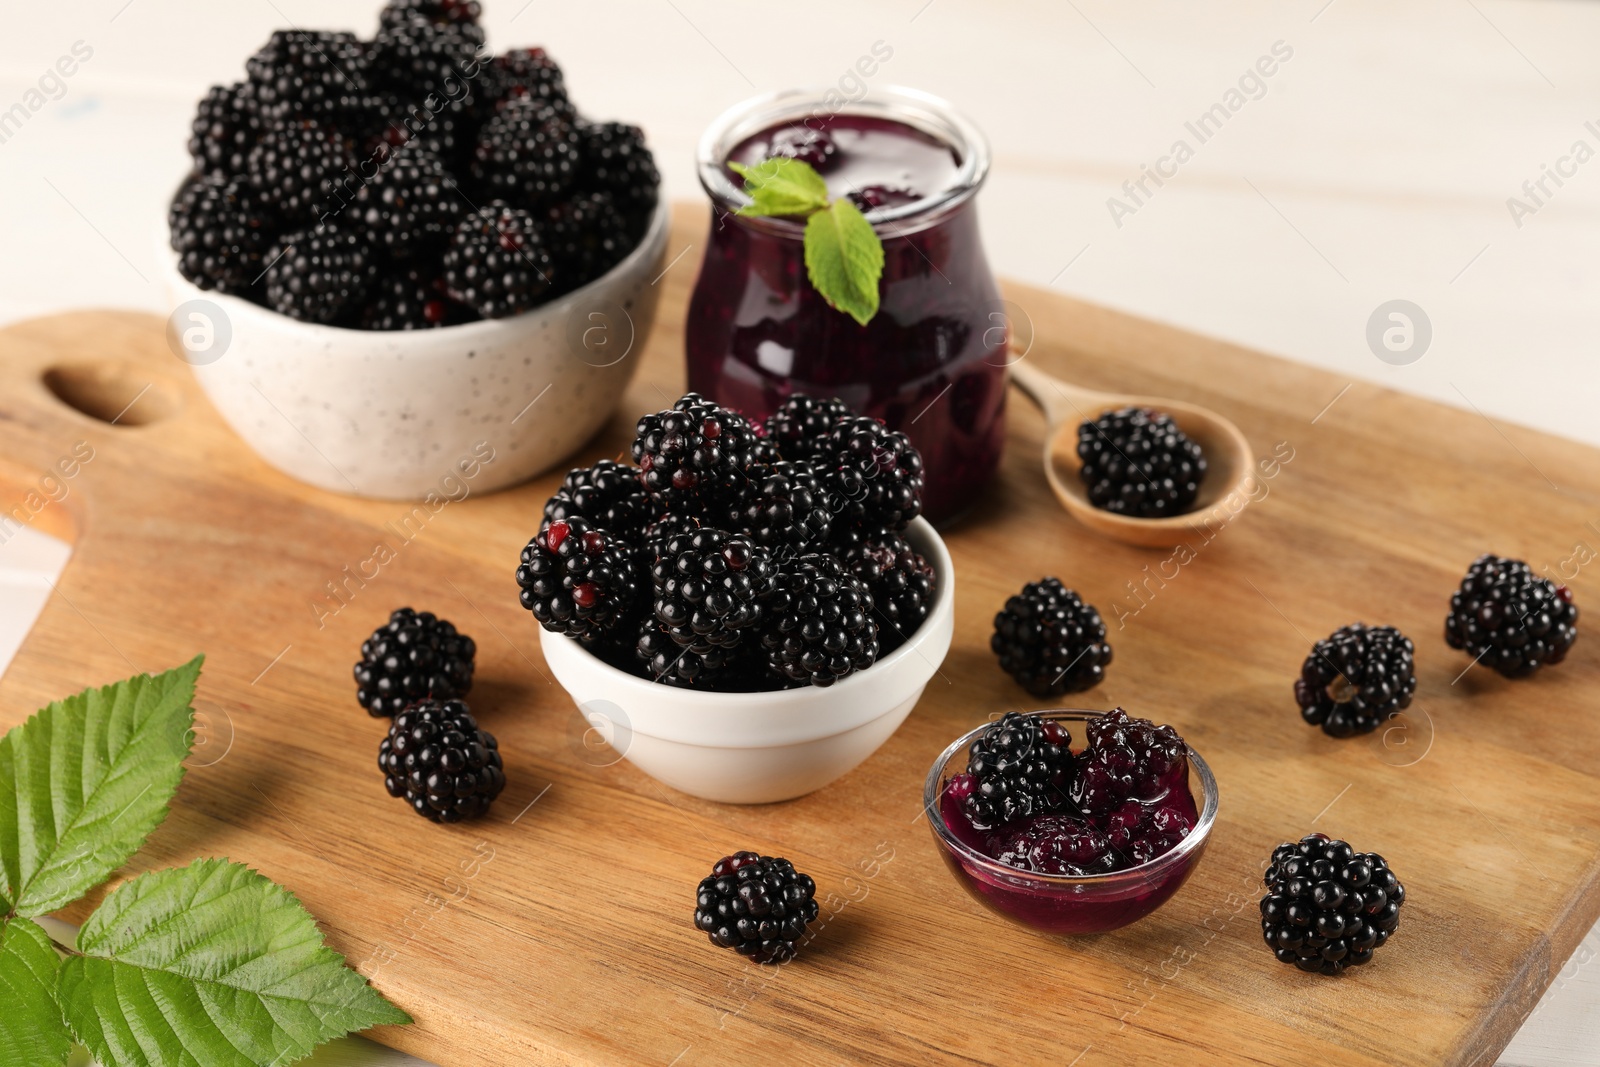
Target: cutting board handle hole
{"type": "Point", "coordinates": [117, 394]}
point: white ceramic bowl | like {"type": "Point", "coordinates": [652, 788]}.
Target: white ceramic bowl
{"type": "Point", "coordinates": [755, 748]}
{"type": "Point", "coordinates": [403, 414]}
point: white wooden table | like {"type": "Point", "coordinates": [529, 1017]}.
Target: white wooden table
{"type": "Point", "coordinates": [1375, 163]}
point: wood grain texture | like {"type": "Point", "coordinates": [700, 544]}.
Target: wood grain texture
{"type": "Point", "coordinates": [560, 932]}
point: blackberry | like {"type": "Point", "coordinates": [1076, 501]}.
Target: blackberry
{"type": "Point", "coordinates": [227, 124]}
{"type": "Point", "coordinates": [801, 425]}
{"type": "Point", "coordinates": [409, 301]}
{"type": "Point", "coordinates": [1050, 641]}
{"type": "Point", "coordinates": [496, 262]}
{"type": "Point", "coordinates": [221, 233]}
{"type": "Point", "coordinates": [617, 161]}
{"type": "Point", "coordinates": [414, 656]}
{"type": "Point", "coordinates": [526, 72]}
{"type": "Point", "coordinates": [417, 57]}
{"type": "Point", "coordinates": [578, 581]}
{"type": "Point", "coordinates": [757, 905]}
{"type": "Point", "coordinates": [410, 206]}
{"type": "Point", "coordinates": [722, 670]}
{"type": "Point", "coordinates": [1020, 766]}
{"type": "Point", "coordinates": [438, 126]}
{"type": "Point", "coordinates": [527, 152]}
{"type": "Point", "coordinates": [320, 275]}
{"type": "Point", "coordinates": [1510, 620]}
{"type": "Point", "coordinates": [1057, 844]}
{"type": "Point", "coordinates": [1128, 759]}
{"type": "Point", "coordinates": [609, 495]}
{"type": "Point", "coordinates": [785, 507]}
{"type": "Point", "coordinates": [879, 474]}
{"type": "Point", "coordinates": [818, 626]}
{"type": "Point", "coordinates": [1328, 907]}
{"type": "Point", "coordinates": [1356, 678]}
{"type": "Point", "coordinates": [708, 588]}
{"type": "Point", "coordinates": [872, 197]}
{"type": "Point", "coordinates": [298, 169]}
{"type": "Point", "coordinates": [308, 74]}
{"type": "Point", "coordinates": [434, 12]}
{"type": "Point", "coordinates": [901, 583]}
{"type": "Point", "coordinates": [1137, 462]}
{"type": "Point", "coordinates": [437, 758]}
{"type": "Point", "coordinates": [586, 237]}
{"type": "Point", "coordinates": [805, 144]}
{"type": "Point", "coordinates": [694, 452]}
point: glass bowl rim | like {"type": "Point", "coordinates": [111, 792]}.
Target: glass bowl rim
{"type": "Point", "coordinates": [932, 795]}
{"type": "Point", "coordinates": [937, 115]}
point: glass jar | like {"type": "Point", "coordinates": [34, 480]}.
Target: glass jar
{"type": "Point", "coordinates": [932, 362]}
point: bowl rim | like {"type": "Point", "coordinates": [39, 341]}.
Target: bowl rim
{"type": "Point", "coordinates": [240, 308]}
{"type": "Point", "coordinates": [1153, 870]}
{"type": "Point", "coordinates": [924, 538]}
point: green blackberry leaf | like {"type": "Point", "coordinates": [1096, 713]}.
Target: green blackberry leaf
{"type": "Point", "coordinates": [31, 1028]}
{"type": "Point", "coordinates": [780, 186]}
{"type": "Point", "coordinates": [211, 965]}
{"type": "Point", "coordinates": [84, 781]}
{"type": "Point", "coordinates": [844, 259]}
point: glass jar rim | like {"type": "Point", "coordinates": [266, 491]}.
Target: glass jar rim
{"type": "Point", "coordinates": [932, 794]}
{"type": "Point", "coordinates": [923, 111]}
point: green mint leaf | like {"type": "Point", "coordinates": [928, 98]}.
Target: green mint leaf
{"type": "Point", "coordinates": [83, 782]}
{"type": "Point", "coordinates": [212, 965]}
{"type": "Point", "coordinates": [780, 186]}
{"type": "Point", "coordinates": [844, 259]}
{"type": "Point", "coordinates": [31, 1028]}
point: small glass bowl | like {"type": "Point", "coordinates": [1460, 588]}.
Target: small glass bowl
{"type": "Point", "coordinates": [1060, 904]}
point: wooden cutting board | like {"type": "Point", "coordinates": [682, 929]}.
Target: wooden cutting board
{"type": "Point", "coordinates": [558, 929]}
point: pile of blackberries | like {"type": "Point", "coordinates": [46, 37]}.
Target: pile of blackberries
{"type": "Point", "coordinates": [737, 557]}
{"type": "Point", "coordinates": [405, 181]}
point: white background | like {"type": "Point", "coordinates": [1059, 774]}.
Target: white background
{"type": "Point", "coordinates": [1376, 166]}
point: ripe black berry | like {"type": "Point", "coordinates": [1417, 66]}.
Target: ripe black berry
{"type": "Point", "coordinates": [741, 669]}
{"type": "Point", "coordinates": [609, 495]}
{"type": "Point", "coordinates": [413, 656]}
{"type": "Point", "coordinates": [708, 588]}
{"type": "Point", "coordinates": [586, 236]}
{"type": "Point", "coordinates": [308, 74]}
{"type": "Point", "coordinates": [757, 905]}
{"type": "Point", "coordinates": [408, 301]}
{"type": "Point", "coordinates": [1020, 766]}
{"type": "Point", "coordinates": [1510, 620]}
{"type": "Point", "coordinates": [902, 586]}
{"type": "Point", "coordinates": [416, 55]}
{"type": "Point", "coordinates": [1328, 907]}
{"type": "Point", "coordinates": [879, 475]}
{"type": "Point", "coordinates": [221, 233]}
{"type": "Point", "coordinates": [496, 262]}
{"type": "Point", "coordinates": [1356, 678]}
{"type": "Point", "coordinates": [805, 144]}
{"type": "Point", "coordinates": [320, 275]}
{"type": "Point", "coordinates": [434, 12]}
{"type": "Point", "coordinates": [818, 624]}
{"type": "Point", "coordinates": [410, 206]}
{"type": "Point", "coordinates": [527, 152]}
{"type": "Point", "coordinates": [440, 762]}
{"type": "Point", "coordinates": [302, 171]}
{"type": "Point", "coordinates": [526, 72]}
{"type": "Point", "coordinates": [694, 452]}
{"type": "Point", "coordinates": [801, 425]}
{"type": "Point", "coordinates": [1050, 641]}
{"type": "Point", "coordinates": [578, 581]}
{"type": "Point", "coordinates": [785, 506]}
{"type": "Point", "coordinates": [1137, 462]}
{"type": "Point", "coordinates": [616, 161]}
{"type": "Point", "coordinates": [227, 124]}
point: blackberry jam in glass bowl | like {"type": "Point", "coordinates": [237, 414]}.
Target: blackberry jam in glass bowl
{"type": "Point", "coordinates": [1066, 903]}
{"type": "Point", "coordinates": [932, 361]}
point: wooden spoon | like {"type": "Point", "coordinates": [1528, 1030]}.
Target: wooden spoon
{"type": "Point", "coordinates": [1224, 491]}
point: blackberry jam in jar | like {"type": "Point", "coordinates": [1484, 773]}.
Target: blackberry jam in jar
{"type": "Point", "coordinates": [932, 361]}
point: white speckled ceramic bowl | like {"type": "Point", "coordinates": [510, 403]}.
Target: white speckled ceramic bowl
{"type": "Point", "coordinates": [401, 414]}
{"type": "Point", "coordinates": [756, 748]}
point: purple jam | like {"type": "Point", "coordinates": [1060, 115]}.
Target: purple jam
{"type": "Point", "coordinates": [931, 363]}
{"type": "Point", "coordinates": [1130, 804]}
